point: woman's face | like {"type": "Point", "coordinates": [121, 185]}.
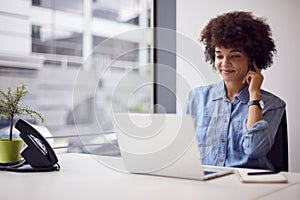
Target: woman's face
{"type": "Point", "coordinates": [232, 64]}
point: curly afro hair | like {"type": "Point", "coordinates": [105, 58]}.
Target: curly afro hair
{"type": "Point", "coordinates": [240, 30]}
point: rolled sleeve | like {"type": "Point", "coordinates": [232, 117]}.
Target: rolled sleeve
{"type": "Point", "coordinates": [257, 141]}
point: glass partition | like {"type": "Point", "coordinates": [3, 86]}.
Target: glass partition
{"type": "Point", "coordinates": [78, 67]}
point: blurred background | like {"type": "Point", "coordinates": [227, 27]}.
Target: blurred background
{"type": "Point", "coordinates": [71, 54]}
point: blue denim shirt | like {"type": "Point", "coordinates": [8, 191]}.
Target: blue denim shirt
{"type": "Point", "coordinates": [221, 129]}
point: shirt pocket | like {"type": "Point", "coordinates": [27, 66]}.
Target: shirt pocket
{"type": "Point", "coordinates": [207, 132]}
{"type": "Point", "coordinates": [202, 127]}
{"type": "Point", "coordinates": [237, 135]}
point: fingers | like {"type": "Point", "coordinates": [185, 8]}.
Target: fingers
{"type": "Point", "coordinates": [256, 67]}
{"type": "Point", "coordinates": [247, 79]}
{"type": "Point", "coordinates": [255, 78]}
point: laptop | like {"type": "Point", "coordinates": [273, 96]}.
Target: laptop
{"type": "Point", "coordinates": [162, 145]}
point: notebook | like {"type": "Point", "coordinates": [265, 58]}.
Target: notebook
{"type": "Point", "coordinates": [163, 145]}
{"type": "Point", "coordinates": [262, 178]}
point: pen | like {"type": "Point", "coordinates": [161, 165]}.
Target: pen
{"type": "Point", "coordinates": [263, 173]}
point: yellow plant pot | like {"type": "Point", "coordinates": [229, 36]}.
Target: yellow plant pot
{"type": "Point", "coordinates": [10, 150]}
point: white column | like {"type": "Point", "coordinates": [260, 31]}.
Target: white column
{"type": "Point", "coordinates": [143, 23]}
{"type": "Point", "coordinates": [87, 33]}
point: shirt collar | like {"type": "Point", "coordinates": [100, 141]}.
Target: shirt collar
{"type": "Point", "coordinates": [243, 96]}
{"type": "Point", "coordinates": [219, 92]}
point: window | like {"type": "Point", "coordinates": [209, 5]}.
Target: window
{"type": "Point", "coordinates": [118, 10]}
{"type": "Point", "coordinates": [80, 72]}
{"type": "Point", "coordinates": [64, 5]}
{"type": "Point", "coordinates": [114, 48]}
{"type": "Point", "coordinates": [61, 42]}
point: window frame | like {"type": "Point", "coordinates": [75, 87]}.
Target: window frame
{"type": "Point", "coordinates": [164, 89]}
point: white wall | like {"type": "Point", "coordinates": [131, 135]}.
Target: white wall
{"type": "Point", "coordinates": [281, 78]}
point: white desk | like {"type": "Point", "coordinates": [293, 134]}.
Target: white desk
{"type": "Point", "coordinates": [83, 177]}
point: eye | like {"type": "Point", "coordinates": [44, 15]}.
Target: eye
{"type": "Point", "coordinates": [235, 56]}
{"type": "Point", "coordinates": [219, 56]}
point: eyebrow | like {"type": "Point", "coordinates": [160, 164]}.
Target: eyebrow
{"type": "Point", "coordinates": [232, 51]}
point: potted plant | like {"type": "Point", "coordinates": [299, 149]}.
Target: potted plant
{"type": "Point", "coordinates": [10, 108]}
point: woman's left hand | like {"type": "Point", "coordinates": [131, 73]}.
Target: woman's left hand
{"type": "Point", "coordinates": [254, 79]}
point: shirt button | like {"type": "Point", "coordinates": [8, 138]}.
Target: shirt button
{"type": "Point", "coordinates": [222, 140]}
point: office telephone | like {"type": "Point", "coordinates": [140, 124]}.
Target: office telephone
{"type": "Point", "coordinates": [36, 152]}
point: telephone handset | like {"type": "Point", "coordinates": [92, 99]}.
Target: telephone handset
{"type": "Point", "coordinates": [36, 151]}
{"type": "Point", "coordinates": [251, 66]}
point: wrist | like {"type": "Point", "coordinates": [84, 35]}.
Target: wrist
{"type": "Point", "coordinates": [254, 96]}
{"type": "Point", "coordinates": [259, 103]}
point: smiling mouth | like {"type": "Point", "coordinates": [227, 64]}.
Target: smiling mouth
{"type": "Point", "coordinates": [227, 71]}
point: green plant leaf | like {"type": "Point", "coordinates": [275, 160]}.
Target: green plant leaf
{"type": "Point", "coordinates": [10, 105]}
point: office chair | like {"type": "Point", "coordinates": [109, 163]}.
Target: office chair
{"type": "Point", "coordinates": [278, 154]}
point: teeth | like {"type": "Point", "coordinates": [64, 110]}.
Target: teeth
{"type": "Point", "coordinates": [227, 71]}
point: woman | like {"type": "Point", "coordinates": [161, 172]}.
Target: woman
{"type": "Point", "coordinates": [235, 120]}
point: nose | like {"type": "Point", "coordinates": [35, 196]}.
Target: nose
{"type": "Point", "coordinates": [225, 62]}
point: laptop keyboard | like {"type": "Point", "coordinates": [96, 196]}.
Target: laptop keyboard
{"type": "Point", "coordinates": [206, 172]}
